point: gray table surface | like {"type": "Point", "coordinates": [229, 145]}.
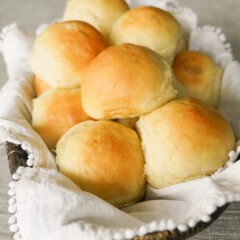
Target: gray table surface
{"type": "Point", "coordinates": [30, 13]}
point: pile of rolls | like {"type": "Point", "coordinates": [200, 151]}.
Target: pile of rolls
{"type": "Point", "coordinates": [122, 102]}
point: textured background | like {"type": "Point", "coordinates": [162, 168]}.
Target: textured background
{"type": "Point", "coordinates": [30, 13]}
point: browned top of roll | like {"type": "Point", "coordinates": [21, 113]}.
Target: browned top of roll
{"type": "Point", "coordinates": [63, 51]}
{"type": "Point", "coordinates": [104, 158]}
{"type": "Point", "coordinates": [56, 111]}
{"type": "Point", "coordinates": [150, 27]}
{"type": "Point", "coordinates": [199, 75]}
{"type": "Point", "coordinates": [99, 13]}
{"type": "Point", "coordinates": [183, 140]}
{"type": "Point", "coordinates": [126, 81]}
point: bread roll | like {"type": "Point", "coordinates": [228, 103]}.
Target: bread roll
{"type": "Point", "coordinates": [40, 86]}
{"type": "Point", "coordinates": [183, 140]}
{"type": "Point", "coordinates": [63, 51]}
{"type": "Point", "coordinates": [55, 111]}
{"type": "Point", "coordinates": [104, 158]}
{"type": "Point", "coordinates": [128, 81]}
{"type": "Point", "coordinates": [199, 75]}
{"type": "Point", "coordinates": [150, 27]}
{"type": "Point", "coordinates": [99, 13]}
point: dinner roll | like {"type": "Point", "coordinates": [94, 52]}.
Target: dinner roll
{"type": "Point", "coordinates": [199, 75]}
{"type": "Point", "coordinates": [126, 81]}
{"type": "Point", "coordinates": [99, 13]}
{"type": "Point", "coordinates": [55, 111]}
{"type": "Point", "coordinates": [63, 51]}
{"type": "Point", "coordinates": [40, 86]}
{"type": "Point", "coordinates": [104, 158]}
{"type": "Point", "coordinates": [184, 140]}
{"type": "Point", "coordinates": [150, 27]}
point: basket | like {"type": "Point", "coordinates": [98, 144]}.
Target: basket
{"type": "Point", "coordinates": [17, 157]}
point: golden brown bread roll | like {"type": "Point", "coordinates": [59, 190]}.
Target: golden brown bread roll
{"type": "Point", "coordinates": [150, 27]}
{"type": "Point", "coordinates": [183, 140]}
{"type": "Point", "coordinates": [99, 13]}
{"type": "Point", "coordinates": [55, 111]}
{"type": "Point", "coordinates": [63, 51]}
{"type": "Point", "coordinates": [199, 75]}
{"type": "Point", "coordinates": [40, 86]}
{"type": "Point", "coordinates": [104, 158]}
{"type": "Point", "coordinates": [126, 81]}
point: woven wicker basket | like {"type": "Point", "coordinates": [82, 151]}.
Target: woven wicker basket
{"type": "Point", "coordinates": [17, 157]}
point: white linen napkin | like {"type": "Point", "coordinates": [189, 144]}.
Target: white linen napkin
{"type": "Point", "coordinates": [47, 205]}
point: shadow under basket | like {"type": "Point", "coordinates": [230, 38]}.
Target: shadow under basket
{"type": "Point", "coordinates": [17, 157]}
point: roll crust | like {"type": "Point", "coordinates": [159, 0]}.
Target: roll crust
{"type": "Point", "coordinates": [199, 75]}
{"type": "Point", "coordinates": [40, 86]}
{"type": "Point", "coordinates": [184, 140]}
{"type": "Point", "coordinates": [99, 13]}
{"type": "Point", "coordinates": [56, 111]}
{"type": "Point", "coordinates": [63, 51]}
{"type": "Point", "coordinates": [104, 158]}
{"type": "Point", "coordinates": [149, 27]}
{"type": "Point", "coordinates": [128, 81]}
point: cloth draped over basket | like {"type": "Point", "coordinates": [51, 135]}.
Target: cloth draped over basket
{"type": "Point", "coordinates": [47, 205]}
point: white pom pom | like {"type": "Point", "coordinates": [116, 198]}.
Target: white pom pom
{"type": "Point", "coordinates": [15, 176]}
{"type": "Point", "coordinates": [12, 192]}
{"type": "Point", "coordinates": [171, 225]}
{"type": "Point", "coordinates": [12, 184]}
{"type": "Point", "coordinates": [238, 149]}
{"type": "Point", "coordinates": [192, 223]}
{"type": "Point", "coordinates": [182, 228]}
{"type": "Point", "coordinates": [17, 236]}
{"type": "Point", "coordinates": [12, 201]}
{"type": "Point", "coordinates": [13, 228]}
{"type": "Point", "coordinates": [153, 226]}
{"type": "Point", "coordinates": [118, 236]}
{"type": "Point", "coordinates": [206, 218]}
{"type": "Point", "coordinates": [211, 209]}
{"type": "Point", "coordinates": [30, 162]}
{"type": "Point", "coordinates": [218, 30]}
{"type": "Point", "coordinates": [129, 234]}
{"type": "Point", "coordinates": [162, 225]}
{"type": "Point", "coordinates": [12, 208]}
{"type": "Point", "coordinates": [24, 146]}
{"type": "Point", "coordinates": [20, 171]}
{"type": "Point", "coordinates": [222, 37]}
{"type": "Point", "coordinates": [142, 230]}
{"type": "Point", "coordinates": [12, 220]}
{"type": "Point", "coordinates": [221, 201]}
